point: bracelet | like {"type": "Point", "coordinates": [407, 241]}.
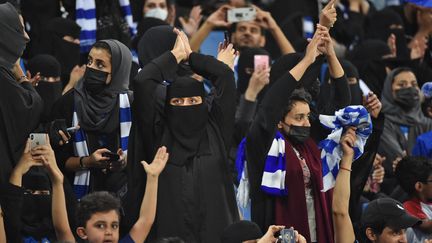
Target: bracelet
{"type": "Point", "coordinates": [81, 162]}
{"type": "Point", "coordinates": [343, 168]}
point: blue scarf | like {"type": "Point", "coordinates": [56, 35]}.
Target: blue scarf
{"type": "Point", "coordinates": [82, 177]}
{"type": "Point", "coordinates": [86, 18]}
{"type": "Point", "coordinates": [331, 150]}
{"type": "Point", "coordinates": [273, 178]}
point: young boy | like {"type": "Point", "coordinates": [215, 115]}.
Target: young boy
{"type": "Point", "coordinates": [98, 213]}
{"type": "Point", "coordinates": [415, 177]}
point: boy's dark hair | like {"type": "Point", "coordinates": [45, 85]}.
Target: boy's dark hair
{"type": "Point", "coordinates": [411, 170]}
{"type": "Point", "coordinates": [297, 95]}
{"type": "Point", "coordinates": [96, 202]}
{"type": "Point", "coordinates": [102, 45]}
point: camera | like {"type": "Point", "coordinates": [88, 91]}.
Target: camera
{"type": "Point", "coordinates": [241, 14]}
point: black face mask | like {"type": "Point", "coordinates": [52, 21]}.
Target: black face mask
{"type": "Point", "coordinates": [356, 94]}
{"type": "Point", "coordinates": [297, 134]}
{"type": "Point", "coordinates": [36, 215]}
{"type": "Point", "coordinates": [407, 98]}
{"type": "Point", "coordinates": [95, 80]}
{"type": "Point", "coordinates": [50, 92]}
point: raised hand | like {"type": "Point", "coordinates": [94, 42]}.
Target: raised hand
{"type": "Point", "coordinates": [260, 78]}
{"type": "Point", "coordinates": [219, 17]}
{"type": "Point", "coordinates": [46, 154]}
{"type": "Point", "coordinates": [327, 47]}
{"type": "Point", "coordinates": [372, 104]}
{"type": "Point", "coordinates": [26, 161]}
{"type": "Point", "coordinates": [186, 44]}
{"type": "Point", "coordinates": [191, 24]}
{"type": "Point", "coordinates": [227, 55]}
{"type": "Point", "coordinates": [178, 50]}
{"type": "Point", "coordinates": [347, 141]}
{"type": "Point", "coordinates": [155, 168]}
{"type": "Point", "coordinates": [328, 15]}
{"type": "Point", "coordinates": [378, 169]}
{"type": "Point", "coordinates": [312, 49]}
{"type": "Point", "coordinates": [265, 19]}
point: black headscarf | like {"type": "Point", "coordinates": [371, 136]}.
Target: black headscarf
{"type": "Point", "coordinates": [50, 92]}
{"type": "Point", "coordinates": [241, 231]}
{"type": "Point", "coordinates": [246, 60]}
{"type": "Point", "coordinates": [99, 112]}
{"type": "Point", "coordinates": [51, 42]}
{"type": "Point", "coordinates": [155, 42]}
{"type": "Point", "coordinates": [379, 26]}
{"type": "Point", "coordinates": [368, 58]}
{"type": "Point", "coordinates": [144, 25]}
{"type": "Point", "coordinates": [352, 72]}
{"type": "Point", "coordinates": [12, 40]}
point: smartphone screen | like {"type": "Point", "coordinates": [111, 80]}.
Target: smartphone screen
{"type": "Point", "coordinates": [261, 62]}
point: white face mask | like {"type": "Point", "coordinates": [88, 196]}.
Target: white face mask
{"type": "Point", "coordinates": [158, 13]}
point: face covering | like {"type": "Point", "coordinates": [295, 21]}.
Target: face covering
{"type": "Point", "coordinates": [95, 80]}
{"type": "Point", "coordinates": [407, 98]}
{"type": "Point", "coordinates": [356, 94]}
{"type": "Point", "coordinates": [50, 92]}
{"type": "Point", "coordinates": [157, 13]}
{"type": "Point", "coordinates": [297, 134]}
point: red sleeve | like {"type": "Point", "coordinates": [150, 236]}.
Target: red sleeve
{"type": "Point", "coordinates": [413, 207]}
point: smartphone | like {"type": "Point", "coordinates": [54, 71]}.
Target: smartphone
{"type": "Point", "coordinates": [261, 62]}
{"type": "Point", "coordinates": [37, 139]}
{"type": "Point", "coordinates": [226, 38]}
{"type": "Point", "coordinates": [241, 14]}
{"type": "Point", "coordinates": [287, 236]}
{"type": "Point", "coordinates": [112, 156]}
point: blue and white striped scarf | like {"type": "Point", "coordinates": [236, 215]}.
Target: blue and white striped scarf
{"type": "Point", "coordinates": [82, 177]}
{"type": "Point", "coordinates": [331, 151]}
{"type": "Point", "coordinates": [86, 18]}
{"type": "Point", "coordinates": [273, 178]}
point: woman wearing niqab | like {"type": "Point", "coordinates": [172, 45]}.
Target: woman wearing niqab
{"type": "Point", "coordinates": [196, 198]}
{"type": "Point", "coordinates": [20, 105]}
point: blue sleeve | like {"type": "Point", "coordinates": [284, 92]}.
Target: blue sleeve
{"type": "Point", "coordinates": [126, 239]}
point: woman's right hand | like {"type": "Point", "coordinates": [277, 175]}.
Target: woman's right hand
{"type": "Point", "coordinates": [312, 49]}
{"type": "Point", "coordinates": [97, 160]}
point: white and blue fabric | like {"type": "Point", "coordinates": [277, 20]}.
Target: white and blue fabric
{"type": "Point", "coordinates": [273, 178]}
{"type": "Point", "coordinates": [86, 18]}
{"type": "Point", "coordinates": [82, 177]}
{"type": "Point", "coordinates": [331, 150]}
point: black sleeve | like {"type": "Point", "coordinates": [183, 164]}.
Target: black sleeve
{"type": "Point", "coordinates": [11, 200]}
{"type": "Point", "coordinates": [243, 119]}
{"type": "Point", "coordinates": [223, 106]}
{"type": "Point", "coordinates": [342, 92]}
{"type": "Point", "coordinates": [362, 167]}
{"type": "Point", "coordinates": [263, 128]}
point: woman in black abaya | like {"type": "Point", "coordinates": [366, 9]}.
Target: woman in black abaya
{"type": "Point", "coordinates": [20, 104]}
{"type": "Point", "coordinates": [196, 198]}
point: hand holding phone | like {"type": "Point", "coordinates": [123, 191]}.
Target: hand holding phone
{"type": "Point", "coordinates": [112, 156]}
{"type": "Point", "coordinates": [287, 236]}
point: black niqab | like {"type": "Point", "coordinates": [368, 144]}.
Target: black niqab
{"type": "Point", "coordinates": [99, 112]}
{"type": "Point", "coordinates": [186, 124]}
{"type": "Point", "coordinates": [12, 40]}
{"type": "Point", "coordinates": [144, 25]}
{"type": "Point", "coordinates": [50, 92]}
